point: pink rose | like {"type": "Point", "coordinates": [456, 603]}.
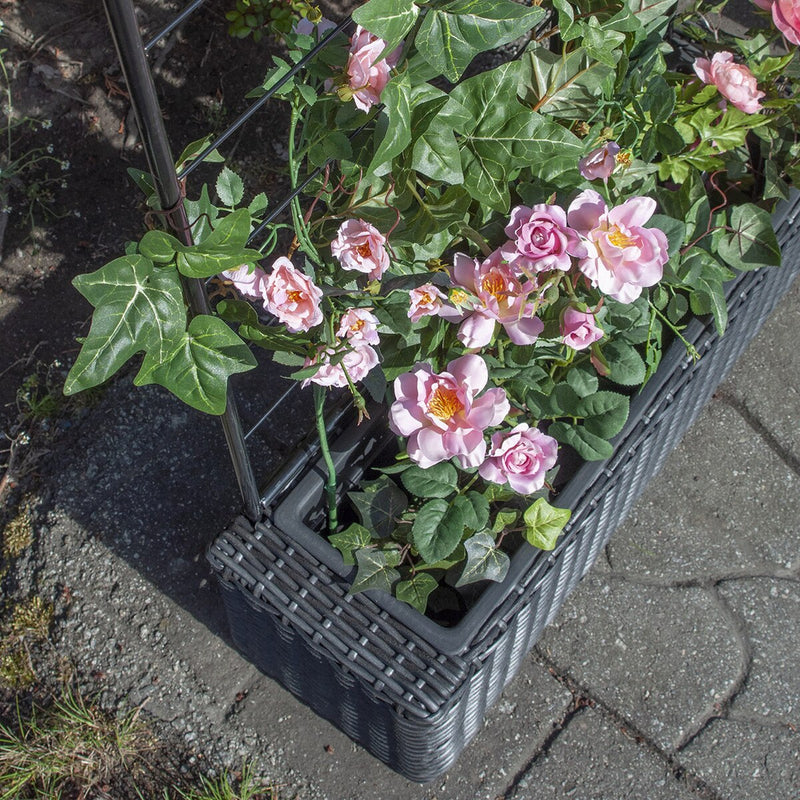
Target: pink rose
{"type": "Point", "coordinates": [424, 301]}
{"type": "Point", "coordinates": [248, 282]}
{"type": "Point", "coordinates": [501, 298]}
{"type": "Point", "coordinates": [292, 296]}
{"type": "Point", "coordinates": [734, 82]}
{"type": "Point", "coordinates": [600, 163]}
{"type": "Point", "coordinates": [622, 255]}
{"type": "Point", "coordinates": [358, 362]}
{"type": "Point", "coordinates": [785, 15]}
{"type": "Point", "coordinates": [360, 246]}
{"type": "Point", "coordinates": [360, 326]}
{"type": "Point", "coordinates": [579, 328]}
{"type": "Point", "coordinates": [540, 239]}
{"type": "Point", "coordinates": [367, 73]}
{"type": "Point", "coordinates": [520, 457]}
{"type": "Point", "coordinates": [440, 414]}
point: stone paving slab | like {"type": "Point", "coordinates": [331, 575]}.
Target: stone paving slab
{"type": "Point", "coordinates": [743, 760]}
{"type": "Point", "coordinates": [661, 657]}
{"type": "Point", "coordinates": [518, 724]}
{"type": "Point", "coordinates": [593, 759]}
{"type": "Point", "coordinates": [775, 403]}
{"type": "Point", "coordinates": [724, 504]}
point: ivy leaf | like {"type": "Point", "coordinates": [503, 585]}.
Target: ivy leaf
{"type": "Point", "coordinates": [751, 243]}
{"type": "Point", "coordinates": [138, 307]}
{"type": "Point", "coordinates": [350, 540]}
{"type": "Point", "coordinates": [451, 35]}
{"type": "Point", "coordinates": [505, 518]}
{"type": "Point", "coordinates": [230, 188]}
{"type": "Point", "coordinates": [197, 367]}
{"type": "Point", "coordinates": [391, 20]}
{"type": "Point", "coordinates": [485, 561]}
{"type": "Point", "coordinates": [202, 214]}
{"type": "Point", "coordinates": [440, 480]}
{"type": "Point", "coordinates": [437, 529]}
{"type": "Point", "coordinates": [379, 505]}
{"type": "Point", "coordinates": [159, 246]}
{"type": "Point", "coordinates": [395, 132]}
{"type": "Point", "coordinates": [415, 591]}
{"type": "Point", "coordinates": [543, 523]}
{"type": "Point", "coordinates": [375, 570]}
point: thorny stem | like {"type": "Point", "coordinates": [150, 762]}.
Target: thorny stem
{"type": "Point", "coordinates": [330, 481]}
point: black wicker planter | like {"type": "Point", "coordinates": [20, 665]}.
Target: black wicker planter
{"type": "Point", "coordinates": [414, 693]}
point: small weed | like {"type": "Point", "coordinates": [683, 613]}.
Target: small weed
{"type": "Point", "coordinates": [70, 747]}
{"type": "Point", "coordinates": [17, 535]}
{"type": "Point", "coordinates": [28, 621]}
{"type": "Point", "coordinates": [16, 670]}
{"type": "Point", "coordinates": [224, 788]}
{"type": "Point", "coordinates": [31, 618]}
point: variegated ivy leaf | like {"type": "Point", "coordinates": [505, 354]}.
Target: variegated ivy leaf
{"type": "Point", "coordinates": [543, 523]}
{"type": "Point", "coordinates": [349, 540]}
{"type": "Point", "coordinates": [485, 561]}
{"type": "Point", "coordinates": [375, 570]}
{"type": "Point", "coordinates": [452, 34]}
{"type": "Point", "coordinates": [197, 367]}
{"type": "Point", "coordinates": [379, 505]}
{"type": "Point", "coordinates": [416, 590]}
{"type": "Point", "coordinates": [139, 307]}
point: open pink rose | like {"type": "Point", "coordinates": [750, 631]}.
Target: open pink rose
{"type": "Point", "coordinates": [785, 15]}
{"type": "Point", "coordinates": [600, 163]}
{"type": "Point", "coordinates": [579, 328]}
{"type": "Point", "coordinates": [367, 73]}
{"type": "Point", "coordinates": [520, 457]}
{"type": "Point", "coordinates": [292, 296]}
{"type": "Point", "coordinates": [442, 416]}
{"type": "Point", "coordinates": [360, 246]}
{"type": "Point", "coordinates": [360, 326]}
{"type": "Point", "coordinates": [540, 239]}
{"type": "Point", "coordinates": [622, 255]}
{"type": "Point", "coordinates": [248, 282]}
{"type": "Point", "coordinates": [358, 362]}
{"type": "Point", "coordinates": [502, 298]}
{"type": "Point", "coordinates": [734, 82]}
{"type": "Point", "coordinates": [424, 301]}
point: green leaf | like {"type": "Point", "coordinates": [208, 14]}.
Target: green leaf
{"type": "Point", "coordinates": [390, 20]}
{"type": "Point", "coordinates": [375, 570]}
{"type": "Point", "coordinates": [582, 381]}
{"type": "Point", "coordinates": [437, 529]}
{"type": "Point", "coordinates": [627, 366]}
{"type": "Point", "coordinates": [751, 243]}
{"type": "Point", "coordinates": [496, 493]}
{"type": "Point", "coordinates": [485, 561]}
{"type": "Point", "coordinates": [349, 540]}
{"type": "Point", "coordinates": [451, 35]}
{"type": "Point", "coordinates": [506, 518]}
{"type": "Point", "coordinates": [478, 518]}
{"type": "Point", "coordinates": [202, 214]}
{"type": "Point", "coordinates": [230, 188]}
{"type": "Point", "coordinates": [673, 229]}
{"type": "Point", "coordinates": [588, 446]}
{"type": "Point", "coordinates": [440, 480]}
{"type": "Point", "coordinates": [138, 307]}
{"type": "Point", "coordinates": [544, 523]}
{"type": "Point", "coordinates": [416, 590]}
{"type": "Point", "coordinates": [159, 246]}
{"type": "Point", "coordinates": [605, 412]}
{"type": "Point", "coordinates": [379, 505]}
{"type": "Point", "coordinates": [197, 368]}
{"type": "Point", "coordinates": [395, 133]}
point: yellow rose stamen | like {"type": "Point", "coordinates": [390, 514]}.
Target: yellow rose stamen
{"type": "Point", "coordinates": [620, 239]}
{"type": "Point", "coordinates": [445, 403]}
{"type": "Point", "coordinates": [364, 250]}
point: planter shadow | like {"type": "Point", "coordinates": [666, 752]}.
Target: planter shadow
{"type": "Point", "coordinates": [410, 691]}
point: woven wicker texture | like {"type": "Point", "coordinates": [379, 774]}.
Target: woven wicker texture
{"type": "Point", "coordinates": [386, 686]}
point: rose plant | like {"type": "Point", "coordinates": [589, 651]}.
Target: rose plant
{"type": "Point", "coordinates": [497, 256]}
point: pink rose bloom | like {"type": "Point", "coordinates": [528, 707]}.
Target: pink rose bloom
{"type": "Point", "coordinates": [540, 239]}
{"type": "Point", "coordinates": [622, 255]}
{"type": "Point", "coordinates": [360, 246]}
{"type": "Point", "coordinates": [600, 163]}
{"type": "Point", "coordinates": [786, 16]}
{"type": "Point", "coordinates": [248, 282]}
{"type": "Point", "coordinates": [441, 416]}
{"type": "Point", "coordinates": [734, 82]}
{"type": "Point", "coordinates": [579, 328]}
{"type": "Point", "coordinates": [358, 362]}
{"type": "Point", "coordinates": [425, 301]}
{"type": "Point", "coordinates": [292, 297]}
{"type": "Point", "coordinates": [520, 457]}
{"type": "Point", "coordinates": [360, 326]}
{"type": "Point", "coordinates": [367, 73]}
{"type": "Point", "coordinates": [501, 298]}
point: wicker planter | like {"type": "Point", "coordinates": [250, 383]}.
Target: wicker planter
{"type": "Point", "coordinates": [414, 693]}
